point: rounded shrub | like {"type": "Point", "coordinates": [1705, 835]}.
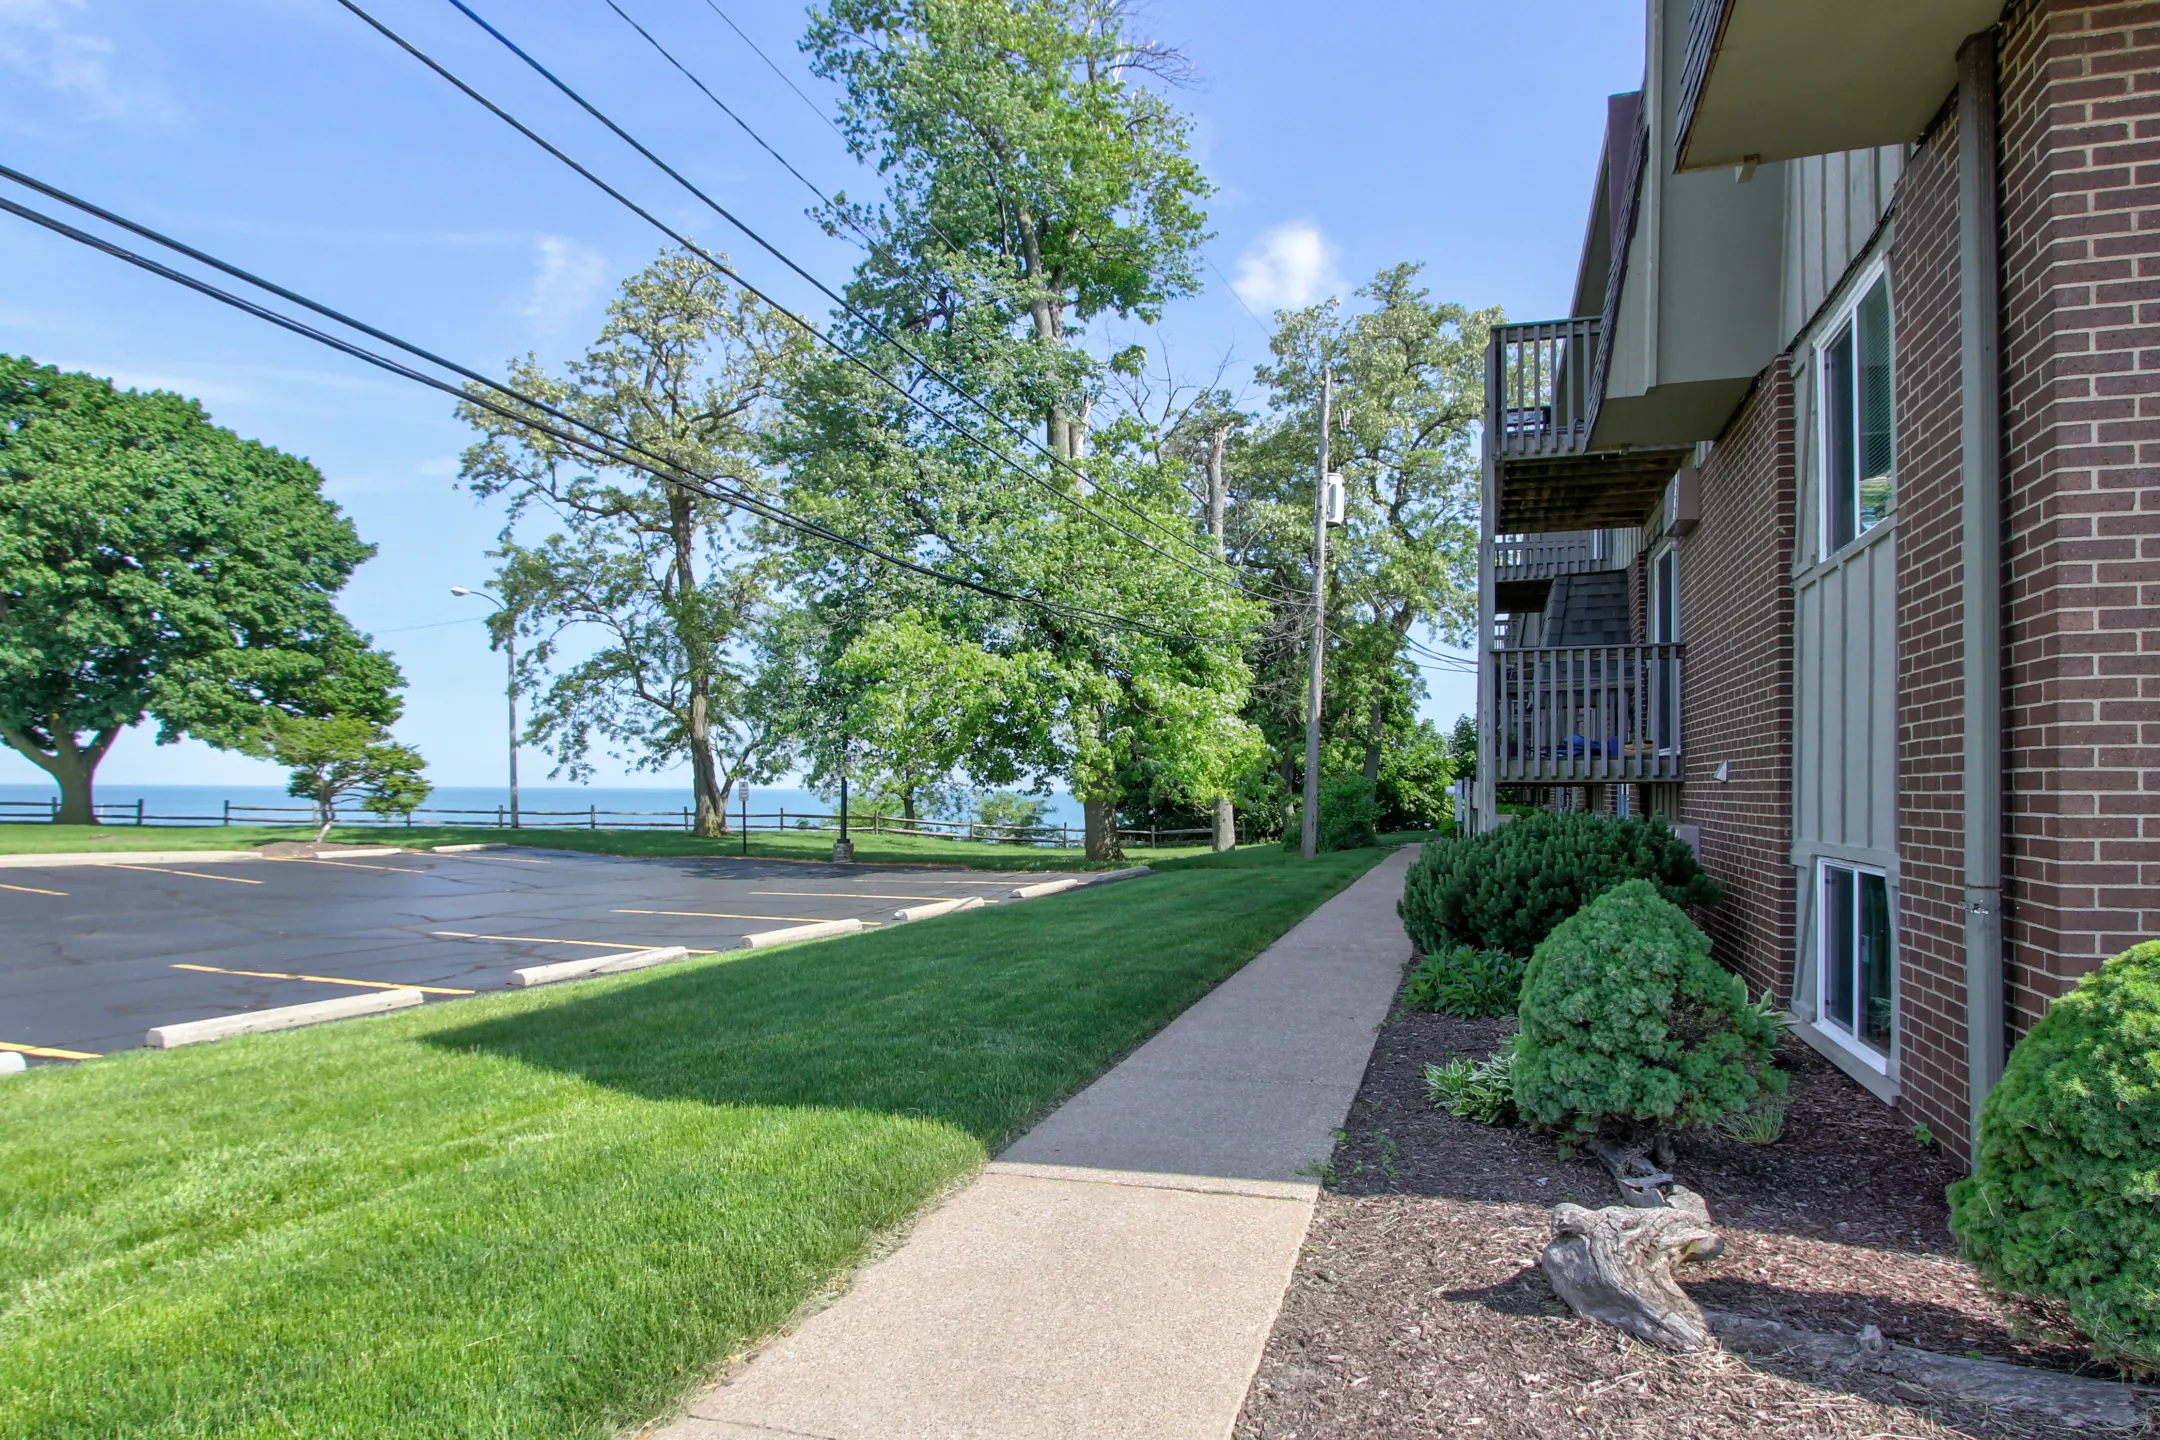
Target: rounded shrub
{"type": "Point", "coordinates": [1630, 1029]}
{"type": "Point", "coordinates": [1507, 888]}
{"type": "Point", "coordinates": [2064, 1200]}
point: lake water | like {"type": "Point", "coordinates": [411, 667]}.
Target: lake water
{"type": "Point", "coordinates": [448, 805]}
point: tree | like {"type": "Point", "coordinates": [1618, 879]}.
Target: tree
{"type": "Point", "coordinates": [1032, 186]}
{"type": "Point", "coordinates": [339, 756]}
{"type": "Point", "coordinates": [1017, 149]}
{"type": "Point", "coordinates": [154, 565]}
{"type": "Point", "coordinates": [1409, 394]}
{"type": "Point", "coordinates": [688, 368]}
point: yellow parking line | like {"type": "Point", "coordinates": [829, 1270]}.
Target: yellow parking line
{"type": "Point", "coordinates": [724, 915]}
{"type": "Point", "coordinates": [325, 979]}
{"type": "Point", "coordinates": [542, 940]}
{"type": "Point", "coordinates": [33, 890]}
{"type": "Point", "coordinates": [46, 1053]}
{"type": "Point", "coordinates": [191, 874]}
{"type": "Point", "coordinates": [845, 895]}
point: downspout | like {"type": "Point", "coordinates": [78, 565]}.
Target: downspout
{"type": "Point", "coordinates": [1980, 454]}
{"type": "Point", "coordinates": [1487, 791]}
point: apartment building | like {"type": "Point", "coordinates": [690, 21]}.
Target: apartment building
{"type": "Point", "coordinates": [1828, 525]}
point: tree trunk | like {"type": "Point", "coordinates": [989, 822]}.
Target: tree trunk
{"type": "Point", "coordinates": [1225, 824]}
{"type": "Point", "coordinates": [73, 767]}
{"type": "Point", "coordinates": [1372, 739]}
{"type": "Point", "coordinates": [77, 805]}
{"type": "Point", "coordinates": [907, 804]}
{"type": "Point", "coordinates": [704, 780]}
{"type": "Point", "coordinates": [1099, 825]}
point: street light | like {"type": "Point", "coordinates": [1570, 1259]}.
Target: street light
{"type": "Point", "coordinates": [510, 645]}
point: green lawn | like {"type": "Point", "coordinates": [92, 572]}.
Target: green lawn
{"type": "Point", "coordinates": [549, 1213]}
{"type": "Point", "coordinates": [46, 839]}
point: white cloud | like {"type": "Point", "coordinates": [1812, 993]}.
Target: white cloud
{"type": "Point", "coordinates": [1293, 265]}
{"type": "Point", "coordinates": [42, 41]}
{"type": "Point", "coordinates": [566, 278]}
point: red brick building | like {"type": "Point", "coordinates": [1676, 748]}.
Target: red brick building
{"type": "Point", "coordinates": [1830, 526]}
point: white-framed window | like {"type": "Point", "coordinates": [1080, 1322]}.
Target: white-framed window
{"type": "Point", "coordinates": [1664, 620]}
{"type": "Point", "coordinates": [1856, 421]}
{"type": "Point", "coordinates": [1856, 959]}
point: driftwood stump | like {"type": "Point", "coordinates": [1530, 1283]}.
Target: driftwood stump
{"type": "Point", "coordinates": [1616, 1265]}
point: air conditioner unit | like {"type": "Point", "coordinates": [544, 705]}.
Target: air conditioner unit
{"type": "Point", "coordinates": [1683, 501]}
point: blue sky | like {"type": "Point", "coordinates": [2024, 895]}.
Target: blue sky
{"type": "Point", "coordinates": [285, 136]}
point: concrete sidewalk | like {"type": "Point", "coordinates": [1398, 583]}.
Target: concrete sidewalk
{"type": "Point", "coordinates": [1116, 1272]}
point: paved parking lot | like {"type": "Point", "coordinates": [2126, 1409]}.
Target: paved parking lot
{"type": "Point", "coordinates": [94, 955]}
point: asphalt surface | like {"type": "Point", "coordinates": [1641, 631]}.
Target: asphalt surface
{"type": "Point", "coordinates": [94, 955]}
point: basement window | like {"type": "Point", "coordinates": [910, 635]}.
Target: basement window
{"type": "Point", "coordinates": [1853, 997]}
{"type": "Point", "coordinates": [1858, 426]}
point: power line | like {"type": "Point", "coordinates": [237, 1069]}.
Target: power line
{"type": "Point", "coordinates": [778, 71]}
{"type": "Point", "coordinates": [1057, 461]}
{"type": "Point", "coordinates": [608, 448]}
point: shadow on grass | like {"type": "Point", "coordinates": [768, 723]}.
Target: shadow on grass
{"type": "Point", "coordinates": [981, 1020]}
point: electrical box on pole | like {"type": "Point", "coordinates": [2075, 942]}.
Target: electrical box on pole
{"type": "Point", "coordinates": [1338, 500]}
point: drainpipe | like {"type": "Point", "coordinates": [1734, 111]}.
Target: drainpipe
{"type": "Point", "coordinates": [1487, 791]}
{"type": "Point", "coordinates": [1980, 453]}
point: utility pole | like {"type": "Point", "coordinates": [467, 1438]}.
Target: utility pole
{"type": "Point", "coordinates": [1310, 845]}
{"type": "Point", "coordinates": [510, 647]}
{"type": "Point", "coordinates": [1225, 814]}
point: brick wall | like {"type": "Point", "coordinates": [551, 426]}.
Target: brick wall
{"type": "Point", "coordinates": [1930, 718]}
{"type": "Point", "coordinates": [2080, 120]}
{"type": "Point", "coordinates": [2081, 181]}
{"type": "Point", "coordinates": [1736, 618]}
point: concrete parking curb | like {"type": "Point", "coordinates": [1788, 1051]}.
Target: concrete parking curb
{"type": "Point", "coordinates": [938, 907]}
{"type": "Point", "coordinates": [1076, 882]}
{"type": "Point", "coordinates": [465, 849]}
{"type": "Point", "coordinates": [824, 929]}
{"type": "Point", "coordinates": [126, 857]}
{"type": "Point", "coordinates": [289, 1017]}
{"type": "Point", "coordinates": [1048, 887]}
{"type": "Point", "coordinates": [599, 965]}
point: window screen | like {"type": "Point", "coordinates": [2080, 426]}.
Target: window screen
{"type": "Point", "coordinates": [1858, 959]}
{"type": "Point", "coordinates": [1859, 422]}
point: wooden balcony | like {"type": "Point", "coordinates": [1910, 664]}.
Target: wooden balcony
{"type": "Point", "coordinates": [1543, 384]}
{"type": "Point", "coordinates": [1584, 714]}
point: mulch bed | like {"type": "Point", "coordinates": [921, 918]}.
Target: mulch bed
{"type": "Point", "coordinates": [1418, 1308]}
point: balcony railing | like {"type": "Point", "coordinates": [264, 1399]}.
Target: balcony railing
{"type": "Point", "coordinates": [1542, 391]}
{"type": "Point", "coordinates": [1575, 714]}
{"type": "Point", "coordinates": [1565, 552]}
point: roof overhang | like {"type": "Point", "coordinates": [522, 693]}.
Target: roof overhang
{"type": "Point", "coordinates": [1776, 80]}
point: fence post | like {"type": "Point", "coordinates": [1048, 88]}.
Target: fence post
{"type": "Point", "coordinates": [498, 817]}
{"type": "Point", "coordinates": [138, 812]}
{"type": "Point", "coordinates": [228, 814]}
{"type": "Point", "coordinates": [56, 810]}
{"type": "Point", "coordinates": [593, 820]}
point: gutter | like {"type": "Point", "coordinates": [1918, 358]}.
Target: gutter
{"type": "Point", "coordinates": [1980, 454]}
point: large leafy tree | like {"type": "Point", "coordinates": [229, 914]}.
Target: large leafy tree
{"type": "Point", "coordinates": [153, 565]}
{"type": "Point", "coordinates": [1409, 394]}
{"type": "Point", "coordinates": [1033, 184]}
{"type": "Point", "coordinates": [667, 580]}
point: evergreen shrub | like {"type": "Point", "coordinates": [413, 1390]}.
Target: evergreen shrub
{"type": "Point", "coordinates": [1630, 1029]}
{"type": "Point", "coordinates": [1464, 981]}
{"type": "Point", "coordinates": [2064, 1201]}
{"type": "Point", "coordinates": [1507, 888]}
